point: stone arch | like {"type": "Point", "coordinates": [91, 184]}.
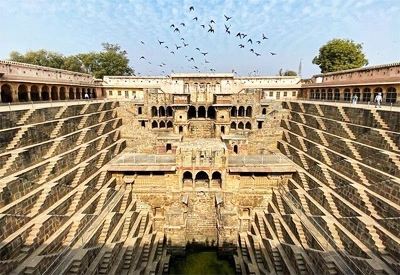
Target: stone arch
{"type": "Point", "coordinates": [347, 94]}
{"type": "Point", "coordinates": [161, 111]}
{"type": "Point", "coordinates": [63, 94]}
{"type": "Point", "coordinates": [391, 95]}
{"type": "Point", "coordinates": [211, 112]}
{"type": "Point", "coordinates": [249, 111]}
{"type": "Point", "coordinates": [23, 93]}
{"type": "Point", "coordinates": [235, 149]}
{"type": "Point", "coordinates": [312, 94]}
{"type": "Point", "coordinates": [317, 94]}
{"type": "Point", "coordinates": [154, 111]}
{"type": "Point", "coordinates": [169, 111]}
{"type": "Point", "coordinates": [356, 91]}
{"type": "Point", "coordinates": [6, 93]}
{"type": "Point", "coordinates": [329, 94]}
{"type": "Point", "coordinates": [241, 111]}
{"type": "Point", "coordinates": [162, 124]}
{"type": "Point", "coordinates": [169, 124]}
{"type": "Point", "coordinates": [248, 125]}
{"type": "Point", "coordinates": [366, 95]}
{"type": "Point", "coordinates": [240, 125]}
{"type": "Point", "coordinates": [233, 125]}
{"type": "Point", "coordinates": [323, 94]}
{"type": "Point", "coordinates": [54, 93]}
{"type": "Point", "coordinates": [216, 179]}
{"type": "Point", "coordinates": [154, 124]}
{"type": "Point", "coordinates": [180, 129]}
{"type": "Point", "coordinates": [264, 111]}
{"type": "Point", "coordinates": [187, 179]}
{"type": "Point", "coordinates": [234, 111]}
{"type": "Point", "coordinates": [337, 94]}
{"type": "Point", "coordinates": [35, 93]}
{"type": "Point", "coordinates": [45, 95]}
{"type": "Point", "coordinates": [71, 93]}
{"type": "Point", "coordinates": [191, 112]}
{"type": "Point", "coordinates": [222, 129]}
{"type": "Point", "coordinates": [78, 93]}
{"type": "Point", "coordinates": [202, 176]}
{"type": "Point", "coordinates": [201, 112]}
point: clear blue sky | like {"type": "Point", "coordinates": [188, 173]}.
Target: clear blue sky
{"type": "Point", "coordinates": [296, 29]}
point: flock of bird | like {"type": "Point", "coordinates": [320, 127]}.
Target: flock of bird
{"type": "Point", "coordinates": [195, 62]}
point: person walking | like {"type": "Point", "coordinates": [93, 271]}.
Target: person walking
{"type": "Point", "coordinates": [378, 100]}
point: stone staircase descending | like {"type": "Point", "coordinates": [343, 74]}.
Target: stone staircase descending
{"type": "Point", "coordinates": [101, 202]}
{"type": "Point", "coordinates": [321, 123]}
{"type": "Point", "coordinates": [304, 204]}
{"type": "Point", "coordinates": [301, 105]}
{"type": "Point", "coordinates": [101, 129]}
{"type": "Point", "coordinates": [287, 136]}
{"type": "Point", "coordinates": [101, 159]}
{"type": "Point", "coordinates": [101, 107]}
{"type": "Point", "coordinates": [359, 172]}
{"type": "Point", "coordinates": [81, 152]}
{"type": "Point", "coordinates": [379, 119]}
{"type": "Point", "coordinates": [40, 200]}
{"type": "Point", "coordinates": [104, 231]}
{"type": "Point", "coordinates": [84, 109]}
{"type": "Point", "coordinates": [101, 143]}
{"type": "Point", "coordinates": [53, 148]}
{"type": "Point", "coordinates": [301, 128]}
{"type": "Point", "coordinates": [78, 175]}
{"type": "Point", "coordinates": [332, 204]}
{"type": "Point", "coordinates": [30, 241]}
{"type": "Point", "coordinates": [300, 231]}
{"type": "Point", "coordinates": [353, 149]}
{"type": "Point", "coordinates": [367, 201]}
{"type": "Point", "coordinates": [75, 202]}
{"type": "Point", "coordinates": [303, 160]}
{"type": "Point", "coordinates": [277, 260]}
{"type": "Point", "coordinates": [334, 233]}
{"type": "Point", "coordinates": [82, 136]}
{"type": "Point", "coordinates": [303, 179]}
{"type": "Point", "coordinates": [21, 132]}
{"type": "Point", "coordinates": [302, 144]}
{"type": "Point", "coordinates": [323, 139]}
{"type": "Point", "coordinates": [302, 117]}
{"type": "Point", "coordinates": [328, 177]}
{"type": "Point", "coordinates": [343, 114]}
{"type": "Point", "coordinates": [300, 263]}
{"type": "Point", "coordinates": [347, 130]}
{"type": "Point", "coordinates": [83, 121]}
{"type": "Point", "coordinates": [60, 112]}
{"type": "Point", "coordinates": [49, 168]}
{"type": "Point", "coordinates": [71, 233]}
{"type": "Point", "coordinates": [25, 117]}
{"type": "Point", "coordinates": [10, 161]}
{"type": "Point", "coordinates": [320, 112]}
{"type": "Point", "coordinates": [57, 129]}
{"type": "Point", "coordinates": [278, 230]}
{"type": "Point", "coordinates": [325, 155]}
{"type": "Point", "coordinates": [388, 140]}
{"type": "Point", "coordinates": [287, 124]}
{"type": "Point", "coordinates": [101, 116]}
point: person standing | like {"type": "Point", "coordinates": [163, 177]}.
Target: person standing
{"type": "Point", "coordinates": [378, 100]}
{"type": "Point", "coordinates": [86, 96]}
{"type": "Point", "coordinates": [355, 98]}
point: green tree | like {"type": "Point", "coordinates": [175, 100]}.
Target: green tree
{"type": "Point", "coordinates": [340, 54]}
{"type": "Point", "coordinates": [111, 61]}
{"type": "Point", "coordinates": [290, 73]}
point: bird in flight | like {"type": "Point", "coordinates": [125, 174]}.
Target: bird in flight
{"type": "Point", "coordinates": [227, 29]}
{"type": "Point", "coordinates": [191, 8]}
{"type": "Point", "coordinates": [203, 26]}
{"type": "Point", "coordinates": [172, 26]}
{"type": "Point", "coordinates": [166, 46]}
{"type": "Point", "coordinates": [241, 45]}
{"type": "Point", "coordinates": [178, 47]}
{"type": "Point", "coordinates": [185, 44]}
{"type": "Point", "coordinates": [160, 42]}
{"type": "Point", "coordinates": [197, 49]}
{"type": "Point", "coordinates": [210, 29]}
{"type": "Point", "coordinates": [272, 53]}
{"type": "Point", "coordinates": [227, 17]}
{"type": "Point", "coordinates": [204, 54]}
{"type": "Point", "coordinates": [182, 24]}
{"type": "Point", "coordinates": [142, 57]}
{"type": "Point", "coordinates": [258, 42]}
{"type": "Point", "coordinates": [239, 35]}
{"type": "Point", "coordinates": [257, 54]}
{"type": "Point", "coordinates": [142, 42]}
{"type": "Point", "coordinates": [264, 37]}
{"type": "Point", "coordinates": [251, 41]}
{"type": "Point", "coordinates": [172, 52]}
{"type": "Point", "coordinates": [212, 21]}
{"type": "Point", "coordinates": [195, 18]}
{"type": "Point", "coordinates": [176, 30]}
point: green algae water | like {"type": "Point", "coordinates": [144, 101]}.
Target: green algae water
{"type": "Point", "coordinates": [204, 263]}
